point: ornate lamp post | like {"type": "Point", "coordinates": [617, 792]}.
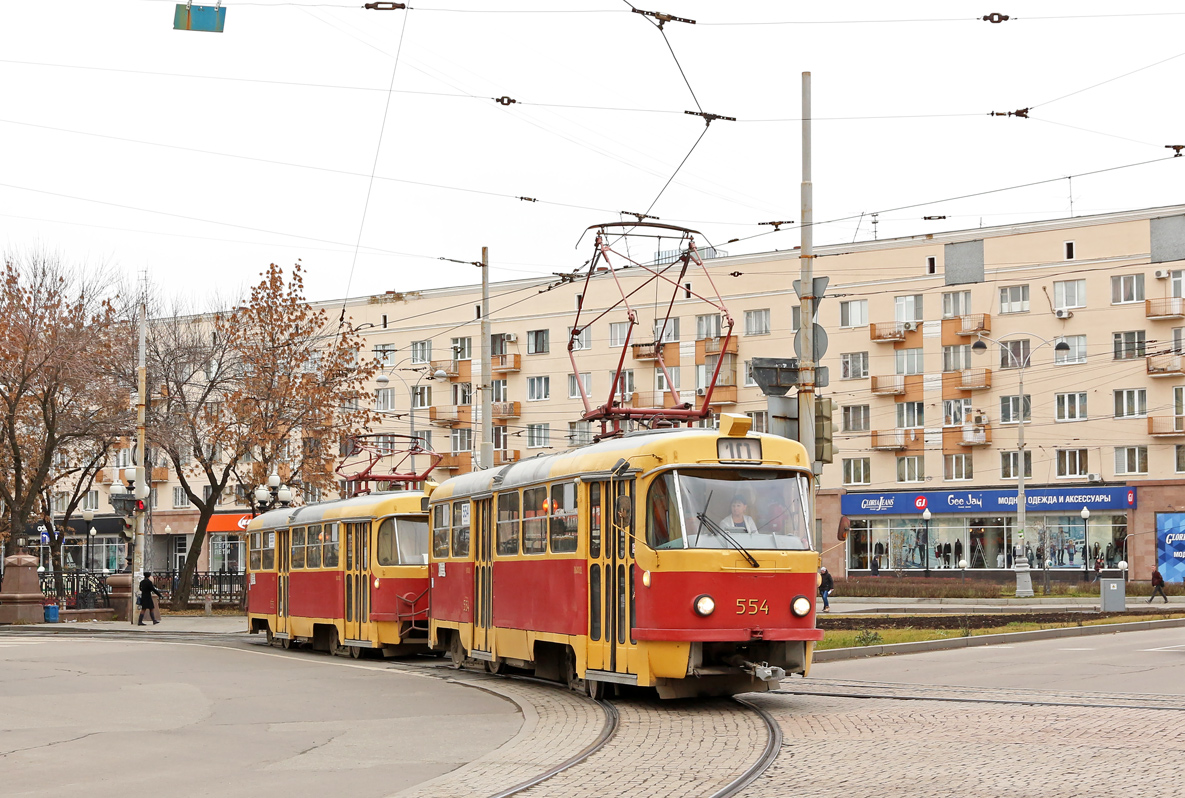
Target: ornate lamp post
{"type": "Point", "coordinates": [1020, 563]}
{"type": "Point", "coordinates": [274, 493]}
{"type": "Point", "coordinates": [926, 516]}
{"type": "Point", "coordinates": [87, 517]}
{"type": "Point", "coordinates": [1085, 544]}
{"type": "Point", "coordinates": [382, 380]}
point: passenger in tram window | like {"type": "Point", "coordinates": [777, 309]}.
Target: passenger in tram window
{"type": "Point", "coordinates": [739, 520]}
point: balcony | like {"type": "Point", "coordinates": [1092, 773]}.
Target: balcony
{"type": "Point", "coordinates": [159, 474]}
{"type": "Point", "coordinates": [504, 364]}
{"type": "Point", "coordinates": [445, 415]}
{"type": "Point", "coordinates": [504, 409]}
{"type": "Point", "coordinates": [715, 346]}
{"type": "Point", "coordinates": [893, 439]}
{"type": "Point", "coordinates": [888, 332]}
{"type": "Point", "coordinates": [721, 395]}
{"type": "Point", "coordinates": [656, 399]}
{"type": "Point", "coordinates": [1166, 426]}
{"type": "Point", "coordinates": [976, 435]}
{"type": "Point", "coordinates": [975, 323]}
{"type": "Point", "coordinates": [449, 367]}
{"type": "Point", "coordinates": [975, 379]}
{"type": "Point", "coordinates": [505, 456]}
{"type": "Point", "coordinates": [888, 386]}
{"type": "Point", "coordinates": [1169, 365]}
{"type": "Point", "coordinates": [651, 350]}
{"type": "Point", "coordinates": [458, 461]}
{"type": "Point", "coordinates": [1172, 307]}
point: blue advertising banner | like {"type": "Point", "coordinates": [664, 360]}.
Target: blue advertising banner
{"type": "Point", "coordinates": [1170, 546]}
{"type": "Point", "coordinates": [989, 502]}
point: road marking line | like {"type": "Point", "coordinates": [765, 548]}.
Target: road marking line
{"type": "Point", "coordinates": [1165, 648]}
{"type": "Point", "coordinates": [1075, 649]}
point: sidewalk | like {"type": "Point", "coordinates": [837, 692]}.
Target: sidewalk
{"type": "Point", "coordinates": [187, 624]}
{"type": "Point", "coordinates": [939, 606]}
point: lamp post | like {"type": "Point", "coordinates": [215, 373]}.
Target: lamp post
{"type": "Point", "coordinates": [1085, 544]}
{"type": "Point", "coordinates": [87, 517]}
{"type": "Point", "coordinates": [383, 380]}
{"type": "Point", "coordinates": [267, 497]}
{"type": "Point", "coordinates": [926, 516]}
{"type": "Point", "coordinates": [1020, 563]}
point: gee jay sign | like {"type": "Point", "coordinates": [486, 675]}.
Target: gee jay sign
{"type": "Point", "coordinates": [988, 502]}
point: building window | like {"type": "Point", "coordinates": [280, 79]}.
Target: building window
{"type": "Point", "coordinates": [1068, 250]}
{"type": "Point", "coordinates": [384, 321]}
{"type": "Point", "coordinates": [1077, 353]}
{"type": "Point", "coordinates": [853, 365]}
{"type": "Point", "coordinates": [462, 393]}
{"type": "Point", "coordinates": [1010, 409]}
{"type": "Point", "coordinates": [855, 418]}
{"type": "Point", "coordinates": [760, 419]}
{"type": "Point", "coordinates": [538, 342]}
{"type": "Point", "coordinates": [1131, 460]}
{"type": "Point", "coordinates": [857, 471]}
{"type": "Point", "coordinates": [1126, 288]}
{"type": "Point", "coordinates": [796, 318]}
{"type": "Point", "coordinates": [955, 304]}
{"type": "Point", "coordinates": [1069, 294]}
{"type": "Point", "coordinates": [1014, 299]}
{"type": "Point", "coordinates": [1070, 406]}
{"type": "Point", "coordinates": [1071, 463]}
{"type": "Point", "coordinates": [618, 331]}
{"type": "Point", "coordinates": [909, 361]}
{"type": "Point", "coordinates": [421, 396]}
{"type": "Point", "coordinates": [384, 399]}
{"type": "Point", "coordinates": [956, 412]}
{"type": "Point", "coordinates": [574, 386]}
{"type": "Point", "coordinates": [580, 433]}
{"type": "Point", "coordinates": [59, 502]}
{"type": "Point", "coordinates": [956, 358]}
{"type": "Point", "coordinates": [583, 340]}
{"type": "Point", "coordinates": [1009, 461]}
{"type": "Point", "coordinates": [538, 435]}
{"type": "Point", "coordinates": [660, 379]}
{"type": "Point", "coordinates": [707, 326]}
{"type": "Point", "coordinates": [180, 498]}
{"type": "Point", "coordinates": [1128, 345]}
{"type": "Point", "coordinates": [666, 330]}
{"type": "Point", "coordinates": [750, 380]}
{"type": "Point", "coordinates": [385, 354]}
{"type": "Point", "coordinates": [957, 467]}
{"type": "Point", "coordinates": [462, 348]}
{"type": "Point", "coordinates": [1131, 403]}
{"type": "Point", "coordinates": [911, 468]}
{"type": "Point", "coordinates": [911, 415]}
{"type": "Point", "coordinates": [1014, 354]}
{"type": "Point", "coordinates": [123, 458]}
{"type": "Point", "coordinates": [1180, 458]}
{"type": "Point", "coordinates": [424, 437]}
{"type": "Point", "coordinates": [853, 313]}
{"type": "Point", "coordinates": [908, 308]}
{"type": "Point", "coordinates": [498, 391]}
{"type": "Point", "coordinates": [625, 384]}
{"type": "Point", "coordinates": [538, 388]}
{"type": "Point", "coordinates": [461, 440]}
{"type": "Point", "coordinates": [931, 264]}
{"type": "Point", "coordinates": [757, 322]}
{"type": "Point", "coordinates": [421, 351]}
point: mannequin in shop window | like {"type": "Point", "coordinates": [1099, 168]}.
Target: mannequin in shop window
{"type": "Point", "coordinates": [937, 554]}
{"type": "Point", "coordinates": [958, 550]}
{"type": "Point", "coordinates": [878, 551]}
{"type": "Point", "coordinates": [946, 554]}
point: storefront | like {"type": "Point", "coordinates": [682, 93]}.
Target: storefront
{"type": "Point", "coordinates": [978, 527]}
{"type": "Point", "coordinates": [227, 542]}
{"type": "Point", "coordinates": [104, 549]}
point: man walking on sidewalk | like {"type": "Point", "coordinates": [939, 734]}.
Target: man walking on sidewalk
{"type": "Point", "coordinates": [826, 585]}
{"type": "Point", "coordinates": [1157, 586]}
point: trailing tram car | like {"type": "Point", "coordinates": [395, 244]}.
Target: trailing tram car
{"type": "Point", "coordinates": [678, 559]}
{"type": "Point", "coordinates": [350, 573]}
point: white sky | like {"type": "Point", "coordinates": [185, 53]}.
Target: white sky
{"type": "Point", "coordinates": [59, 128]}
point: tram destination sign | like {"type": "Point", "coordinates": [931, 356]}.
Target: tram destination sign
{"type": "Point", "coordinates": [988, 502]}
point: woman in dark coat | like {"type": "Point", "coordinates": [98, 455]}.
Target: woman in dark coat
{"type": "Point", "coordinates": [147, 604]}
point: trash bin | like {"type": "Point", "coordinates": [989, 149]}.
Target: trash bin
{"type": "Point", "coordinates": [51, 613]}
{"type": "Point", "coordinates": [1113, 595]}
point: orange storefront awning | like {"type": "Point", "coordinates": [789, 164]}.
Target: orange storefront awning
{"type": "Point", "coordinates": [229, 522]}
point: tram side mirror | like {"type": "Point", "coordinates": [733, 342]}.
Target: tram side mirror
{"type": "Point", "coordinates": [845, 525]}
{"type": "Point", "coordinates": [620, 467]}
{"type": "Point", "coordinates": [625, 510]}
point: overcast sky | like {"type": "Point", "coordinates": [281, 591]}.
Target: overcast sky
{"type": "Point", "coordinates": [126, 142]}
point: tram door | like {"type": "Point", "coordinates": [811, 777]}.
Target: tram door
{"type": "Point", "coordinates": [611, 574]}
{"type": "Point", "coordinates": [483, 575]}
{"type": "Point", "coordinates": [283, 570]}
{"type": "Point", "coordinates": [357, 572]}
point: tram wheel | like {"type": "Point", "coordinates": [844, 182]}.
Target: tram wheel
{"type": "Point", "coordinates": [456, 652]}
{"type": "Point", "coordinates": [331, 644]}
{"type": "Point", "coordinates": [271, 638]}
{"type": "Point", "coordinates": [356, 652]}
{"type": "Point", "coordinates": [287, 643]}
{"type": "Point", "coordinates": [494, 666]}
{"type": "Point", "coordinates": [597, 691]}
{"type": "Point", "coordinates": [574, 681]}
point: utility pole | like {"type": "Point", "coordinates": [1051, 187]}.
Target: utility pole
{"type": "Point", "coordinates": [806, 360]}
{"type": "Point", "coordinates": [142, 489]}
{"type": "Point", "coordinates": [487, 441]}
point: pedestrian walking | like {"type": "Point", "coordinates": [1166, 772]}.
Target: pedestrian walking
{"type": "Point", "coordinates": [1098, 568]}
{"type": "Point", "coordinates": [1157, 586]}
{"type": "Point", "coordinates": [875, 567]}
{"type": "Point", "coordinates": [147, 604]}
{"type": "Point", "coordinates": [826, 585]}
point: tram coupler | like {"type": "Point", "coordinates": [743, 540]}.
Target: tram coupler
{"type": "Point", "coordinates": [764, 671]}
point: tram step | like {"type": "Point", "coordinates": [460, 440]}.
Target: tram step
{"type": "Point", "coordinates": [610, 676]}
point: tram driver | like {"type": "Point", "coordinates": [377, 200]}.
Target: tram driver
{"type": "Point", "coordinates": [739, 520]}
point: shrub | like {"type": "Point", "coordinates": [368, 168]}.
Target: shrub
{"type": "Point", "coordinates": [868, 638]}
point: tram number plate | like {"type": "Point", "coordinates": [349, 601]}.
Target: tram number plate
{"type": "Point", "coordinates": [738, 449]}
{"type": "Point", "coordinates": [752, 606]}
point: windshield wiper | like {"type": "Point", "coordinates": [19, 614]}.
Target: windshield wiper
{"type": "Point", "coordinates": [719, 530]}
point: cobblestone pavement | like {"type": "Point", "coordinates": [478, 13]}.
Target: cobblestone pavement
{"type": "Point", "coordinates": [854, 747]}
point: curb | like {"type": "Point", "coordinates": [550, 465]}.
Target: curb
{"type": "Point", "coordinates": [840, 654]}
{"type": "Point", "coordinates": [1035, 601]}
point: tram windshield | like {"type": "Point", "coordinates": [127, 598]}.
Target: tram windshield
{"type": "Point", "coordinates": [403, 541]}
{"type": "Point", "coordinates": [716, 508]}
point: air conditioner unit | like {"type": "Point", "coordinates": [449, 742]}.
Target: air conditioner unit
{"type": "Point", "coordinates": [981, 418]}
{"type": "Point", "coordinates": [910, 326]}
{"type": "Point", "coordinates": [700, 391]}
{"type": "Point", "coordinates": [510, 338]}
{"type": "Point", "coordinates": [1062, 313]}
{"type": "Point", "coordinates": [1094, 477]}
{"type": "Point", "coordinates": [1161, 274]}
{"type": "Point", "coordinates": [627, 396]}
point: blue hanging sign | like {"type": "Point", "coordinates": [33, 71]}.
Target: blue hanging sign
{"type": "Point", "coordinates": [988, 502]}
{"type": "Point", "coordinates": [1170, 546]}
{"type": "Point", "coordinates": [203, 18]}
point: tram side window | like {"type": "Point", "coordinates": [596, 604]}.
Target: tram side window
{"type": "Point", "coordinates": [269, 551]}
{"type": "Point", "coordinates": [297, 560]}
{"type": "Point", "coordinates": [460, 529]}
{"type": "Point", "coordinates": [563, 517]}
{"type": "Point", "coordinates": [508, 524]}
{"type": "Point", "coordinates": [330, 533]}
{"type": "Point", "coordinates": [256, 556]}
{"type": "Point", "coordinates": [594, 518]}
{"type": "Point", "coordinates": [440, 530]}
{"type": "Point", "coordinates": [387, 551]}
{"type": "Point", "coordinates": [413, 541]}
{"type": "Point", "coordinates": [312, 557]}
{"type": "Point", "coordinates": [660, 532]}
{"type": "Point", "coordinates": [535, 520]}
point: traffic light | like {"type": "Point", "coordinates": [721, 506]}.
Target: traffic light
{"type": "Point", "coordinates": [824, 430]}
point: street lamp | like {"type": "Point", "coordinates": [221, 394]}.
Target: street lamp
{"type": "Point", "coordinates": [267, 497]}
{"type": "Point", "coordinates": [926, 516]}
{"type": "Point", "coordinates": [383, 380]}
{"type": "Point", "coordinates": [87, 517]}
{"type": "Point", "coordinates": [1085, 544]}
{"type": "Point", "coordinates": [1020, 564]}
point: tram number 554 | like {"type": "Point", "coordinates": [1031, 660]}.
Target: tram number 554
{"type": "Point", "coordinates": [752, 607]}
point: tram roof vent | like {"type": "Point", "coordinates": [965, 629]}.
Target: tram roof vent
{"type": "Point", "coordinates": [734, 425]}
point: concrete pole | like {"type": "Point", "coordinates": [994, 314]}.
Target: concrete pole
{"type": "Point", "coordinates": [487, 406]}
{"type": "Point", "coordinates": [142, 488]}
{"type": "Point", "coordinates": [806, 362]}
{"type": "Point", "coordinates": [1020, 563]}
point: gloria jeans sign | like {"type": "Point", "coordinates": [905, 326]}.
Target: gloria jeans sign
{"type": "Point", "coordinates": [988, 502]}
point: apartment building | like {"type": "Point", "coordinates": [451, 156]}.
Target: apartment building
{"type": "Point", "coordinates": [924, 420]}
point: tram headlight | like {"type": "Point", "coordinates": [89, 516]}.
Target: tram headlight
{"type": "Point", "coordinates": [646, 578]}
{"type": "Point", "coordinates": [376, 583]}
{"type": "Point", "coordinates": [704, 605]}
{"type": "Point", "coordinates": [801, 606]}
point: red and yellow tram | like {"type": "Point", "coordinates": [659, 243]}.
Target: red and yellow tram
{"type": "Point", "coordinates": [348, 573]}
{"type": "Point", "coordinates": [678, 559]}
